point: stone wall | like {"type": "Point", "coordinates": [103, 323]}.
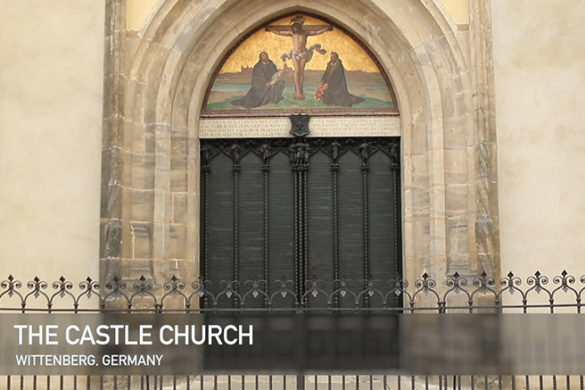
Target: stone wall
{"type": "Point", "coordinates": [51, 75]}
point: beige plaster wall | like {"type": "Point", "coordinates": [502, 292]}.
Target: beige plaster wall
{"type": "Point", "coordinates": [51, 83]}
{"type": "Point", "coordinates": [539, 55]}
{"type": "Point", "coordinates": [138, 12]}
{"type": "Point", "coordinates": [458, 9]}
{"type": "Point", "coordinates": [51, 72]}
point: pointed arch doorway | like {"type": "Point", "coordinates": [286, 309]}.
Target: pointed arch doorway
{"type": "Point", "coordinates": [154, 122]}
{"type": "Point", "coordinates": [303, 208]}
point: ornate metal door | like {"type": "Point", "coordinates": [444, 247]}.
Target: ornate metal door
{"type": "Point", "coordinates": [297, 210]}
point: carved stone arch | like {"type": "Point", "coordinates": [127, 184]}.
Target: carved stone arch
{"type": "Point", "coordinates": [442, 81]}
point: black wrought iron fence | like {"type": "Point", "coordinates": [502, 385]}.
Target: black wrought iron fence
{"type": "Point", "coordinates": [562, 292]}
{"type": "Point", "coordinates": [425, 294]}
{"type": "Point", "coordinates": [284, 382]}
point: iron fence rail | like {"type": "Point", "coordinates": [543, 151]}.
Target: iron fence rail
{"type": "Point", "coordinates": [284, 382]}
{"type": "Point", "coordinates": [425, 294]}
{"type": "Point", "coordinates": [562, 292]}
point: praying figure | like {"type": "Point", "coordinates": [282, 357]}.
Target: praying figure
{"type": "Point", "coordinates": [267, 84]}
{"type": "Point", "coordinates": [333, 88]}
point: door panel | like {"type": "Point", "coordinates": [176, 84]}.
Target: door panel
{"type": "Point", "coordinates": [280, 220]}
{"type": "Point", "coordinates": [351, 220]}
{"type": "Point", "coordinates": [219, 249]}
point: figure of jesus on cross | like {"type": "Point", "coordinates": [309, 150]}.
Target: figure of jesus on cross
{"type": "Point", "coordinates": [299, 54]}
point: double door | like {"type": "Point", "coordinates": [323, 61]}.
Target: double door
{"type": "Point", "coordinates": [297, 210]}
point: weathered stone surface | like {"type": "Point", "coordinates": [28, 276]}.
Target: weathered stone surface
{"type": "Point", "coordinates": [141, 204]}
{"type": "Point", "coordinates": [142, 171]}
{"type": "Point", "coordinates": [456, 200]}
{"type": "Point", "coordinates": [177, 241]}
{"type": "Point", "coordinates": [132, 269]}
{"type": "Point", "coordinates": [109, 268]}
{"type": "Point", "coordinates": [110, 183]}
{"type": "Point", "coordinates": [141, 240]}
{"type": "Point", "coordinates": [110, 241]}
{"type": "Point", "coordinates": [179, 180]}
{"type": "Point", "coordinates": [179, 207]}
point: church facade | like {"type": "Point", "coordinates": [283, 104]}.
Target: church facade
{"type": "Point", "coordinates": [484, 120]}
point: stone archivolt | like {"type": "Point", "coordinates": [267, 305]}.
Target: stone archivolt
{"type": "Point", "coordinates": [156, 83]}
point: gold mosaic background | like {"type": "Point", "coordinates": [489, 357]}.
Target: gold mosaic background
{"type": "Point", "coordinates": [354, 57]}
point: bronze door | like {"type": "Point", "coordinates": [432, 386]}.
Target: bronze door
{"type": "Point", "coordinates": [298, 210]}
